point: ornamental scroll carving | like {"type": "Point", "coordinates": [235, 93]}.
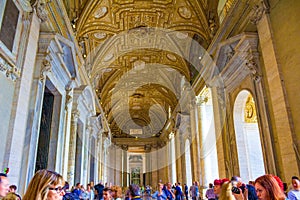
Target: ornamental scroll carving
{"type": "Point", "coordinates": [10, 71]}
{"type": "Point", "coordinates": [253, 68]}
{"type": "Point", "coordinates": [185, 12]}
{"type": "Point", "coordinates": [46, 69]}
{"type": "Point", "coordinates": [124, 147]}
{"type": "Point", "coordinates": [101, 12]}
{"type": "Point", "coordinates": [40, 8]}
{"type": "Point", "coordinates": [257, 13]}
{"type": "Point", "coordinates": [75, 115]}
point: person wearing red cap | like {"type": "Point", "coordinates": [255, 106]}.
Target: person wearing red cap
{"type": "Point", "coordinates": [218, 186]}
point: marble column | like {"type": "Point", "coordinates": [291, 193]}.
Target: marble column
{"type": "Point", "coordinates": [21, 104]}
{"type": "Point", "coordinates": [105, 162]}
{"type": "Point", "coordinates": [263, 118]}
{"type": "Point", "coordinates": [32, 135]}
{"type": "Point", "coordinates": [196, 145]}
{"type": "Point", "coordinates": [111, 170]}
{"type": "Point", "coordinates": [125, 182]}
{"type": "Point", "coordinates": [99, 157]}
{"type": "Point", "coordinates": [68, 107]}
{"type": "Point", "coordinates": [72, 147]}
{"type": "Point", "coordinates": [154, 168]}
{"type": "Point", "coordinates": [86, 147]}
{"type": "Point", "coordinates": [178, 152]}
{"type": "Point", "coordinates": [172, 159]}
{"type": "Point", "coordinates": [148, 164]}
{"type": "Point", "coordinates": [285, 155]}
{"type": "Point", "coordinates": [219, 113]}
{"type": "Point", "coordinates": [118, 166]}
{"type": "Point", "coordinates": [162, 165]}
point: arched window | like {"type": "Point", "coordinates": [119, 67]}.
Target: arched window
{"type": "Point", "coordinates": [247, 137]}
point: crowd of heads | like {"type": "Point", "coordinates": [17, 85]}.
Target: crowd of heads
{"type": "Point", "coordinates": [49, 185]}
{"type": "Point", "coordinates": [265, 187]}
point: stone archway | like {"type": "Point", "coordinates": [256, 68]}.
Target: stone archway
{"type": "Point", "coordinates": [249, 147]}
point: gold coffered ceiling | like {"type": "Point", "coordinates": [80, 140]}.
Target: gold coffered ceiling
{"type": "Point", "coordinates": [137, 55]}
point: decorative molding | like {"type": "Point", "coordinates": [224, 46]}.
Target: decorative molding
{"type": "Point", "coordinates": [75, 115]}
{"type": "Point", "coordinates": [46, 69]}
{"type": "Point", "coordinates": [185, 12]}
{"type": "Point", "coordinates": [161, 143]}
{"type": "Point", "coordinates": [10, 71]}
{"type": "Point", "coordinates": [257, 13]}
{"type": "Point", "coordinates": [201, 100]}
{"type": "Point", "coordinates": [89, 131]}
{"type": "Point", "coordinates": [69, 100]}
{"type": "Point", "coordinates": [124, 147]}
{"type": "Point", "coordinates": [101, 12]}
{"type": "Point", "coordinates": [40, 8]}
{"type": "Point", "coordinates": [147, 148]}
{"type": "Point", "coordinates": [25, 4]}
{"type": "Point", "coordinates": [237, 58]}
{"type": "Point", "coordinates": [266, 5]}
{"type": "Point", "coordinates": [212, 27]}
{"type": "Point", "coordinates": [253, 68]}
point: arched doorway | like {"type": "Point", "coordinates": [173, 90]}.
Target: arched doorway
{"type": "Point", "coordinates": [247, 137]}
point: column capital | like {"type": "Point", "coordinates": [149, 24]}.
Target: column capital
{"type": "Point", "coordinates": [89, 130]}
{"type": "Point", "coordinates": [46, 69]}
{"type": "Point", "coordinates": [201, 99]}
{"type": "Point", "coordinates": [124, 147]}
{"type": "Point", "coordinates": [75, 115]}
{"type": "Point", "coordinates": [258, 11]}
{"type": "Point", "coordinates": [253, 68]}
{"type": "Point", "coordinates": [147, 148]}
{"type": "Point", "coordinates": [69, 100]}
{"type": "Point", "coordinates": [25, 4]}
{"type": "Point", "coordinates": [40, 8]}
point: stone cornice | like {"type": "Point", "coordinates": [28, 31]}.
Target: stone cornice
{"type": "Point", "coordinates": [242, 63]}
{"type": "Point", "coordinates": [146, 143]}
{"type": "Point", "coordinates": [25, 4]}
{"type": "Point", "coordinates": [240, 13]}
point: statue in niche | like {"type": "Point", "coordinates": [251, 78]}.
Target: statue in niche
{"type": "Point", "coordinates": [229, 52]}
{"type": "Point", "coordinates": [250, 112]}
{"type": "Point", "coordinates": [212, 27]}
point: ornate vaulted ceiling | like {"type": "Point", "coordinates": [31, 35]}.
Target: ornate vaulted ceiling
{"type": "Point", "coordinates": [137, 53]}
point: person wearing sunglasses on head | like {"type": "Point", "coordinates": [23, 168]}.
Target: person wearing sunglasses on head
{"type": "Point", "coordinates": [45, 185]}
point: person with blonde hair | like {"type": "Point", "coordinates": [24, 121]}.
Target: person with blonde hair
{"type": "Point", "coordinates": [226, 193]}
{"type": "Point", "coordinates": [45, 185]}
{"type": "Point", "coordinates": [267, 188]}
{"type": "Point", "coordinates": [116, 192]}
{"type": "Point", "coordinates": [11, 196]}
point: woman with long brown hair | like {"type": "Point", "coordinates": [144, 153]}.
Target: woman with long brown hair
{"type": "Point", "coordinates": [45, 185]}
{"type": "Point", "coordinates": [267, 188]}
